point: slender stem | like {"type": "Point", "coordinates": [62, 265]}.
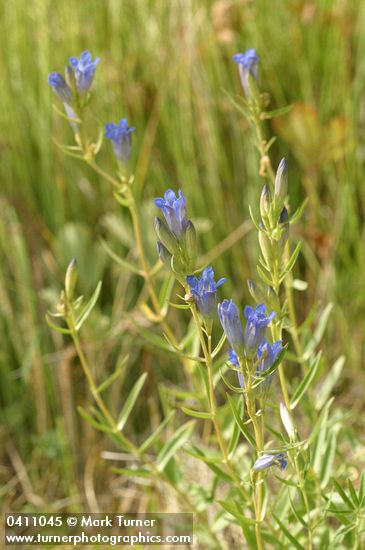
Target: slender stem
{"type": "Point", "coordinates": [212, 401]}
{"type": "Point", "coordinates": [259, 438]}
{"type": "Point", "coordinates": [108, 416]}
{"type": "Point", "coordinates": [139, 242]}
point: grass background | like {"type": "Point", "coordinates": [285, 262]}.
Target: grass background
{"type": "Point", "coordinates": [165, 65]}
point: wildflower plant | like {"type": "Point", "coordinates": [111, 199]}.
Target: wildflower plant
{"type": "Point", "coordinates": [241, 400]}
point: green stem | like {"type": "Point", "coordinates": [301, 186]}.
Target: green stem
{"type": "Point", "coordinates": [109, 418]}
{"type": "Point", "coordinates": [259, 438]}
{"type": "Point", "coordinates": [139, 242]}
{"type": "Point", "coordinates": [212, 401]}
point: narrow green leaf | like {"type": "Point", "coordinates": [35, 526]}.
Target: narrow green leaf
{"type": "Point", "coordinates": [355, 498]}
{"type": "Point", "coordinates": [297, 514]}
{"type": "Point", "coordinates": [154, 436]}
{"type": "Point", "coordinates": [362, 489]}
{"type": "Point", "coordinates": [266, 115]}
{"type": "Point", "coordinates": [120, 261]}
{"type": "Point", "coordinates": [327, 460]}
{"type": "Point", "coordinates": [233, 509]}
{"type": "Point", "coordinates": [329, 382]}
{"type": "Point", "coordinates": [288, 535]}
{"type": "Point", "coordinates": [245, 431]}
{"type": "Point", "coordinates": [93, 422]}
{"type": "Point", "coordinates": [131, 399]}
{"type": "Point", "coordinates": [55, 327]}
{"type": "Point", "coordinates": [299, 212]}
{"type": "Point", "coordinates": [173, 445]}
{"type": "Point", "coordinates": [219, 345]}
{"type": "Point", "coordinates": [289, 266]}
{"type": "Point", "coordinates": [305, 383]}
{"type": "Point", "coordinates": [235, 432]}
{"type": "Point", "coordinates": [196, 414]}
{"type": "Point", "coordinates": [104, 385]}
{"type": "Point", "coordinates": [89, 307]}
{"type": "Point", "coordinates": [254, 219]}
{"type": "Point", "coordinates": [343, 495]}
{"type": "Point", "coordinates": [230, 386]}
{"type": "Point", "coordinates": [263, 276]}
{"type": "Point", "coordinates": [165, 291]}
{"type": "Point", "coordinates": [318, 333]}
{"type": "Point", "coordinates": [199, 455]}
{"type": "Point", "coordinates": [153, 338]}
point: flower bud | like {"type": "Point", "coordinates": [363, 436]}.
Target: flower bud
{"type": "Point", "coordinates": [281, 184]}
{"type": "Point", "coordinates": [284, 228]}
{"type": "Point", "coordinates": [71, 279]}
{"type": "Point", "coordinates": [266, 248]}
{"type": "Point", "coordinates": [164, 255]}
{"type": "Point", "coordinates": [166, 237]}
{"type": "Point", "coordinates": [265, 205]}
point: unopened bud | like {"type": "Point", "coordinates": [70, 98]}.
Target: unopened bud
{"type": "Point", "coordinates": [256, 291]}
{"type": "Point", "coordinates": [164, 255]}
{"type": "Point", "coordinates": [284, 228]}
{"type": "Point", "coordinates": [265, 205]}
{"type": "Point", "coordinates": [166, 237]}
{"type": "Point", "coordinates": [281, 184]}
{"type": "Point", "coordinates": [266, 248]}
{"type": "Point", "coordinates": [190, 244]}
{"type": "Point", "coordinates": [71, 279]}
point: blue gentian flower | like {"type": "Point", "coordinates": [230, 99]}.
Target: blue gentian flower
{"type": "Point", "coordinates": [247, 66]}
{"type": "Point", "coordinates": [233, 358]}
{"type": "Point", "coordinates": [84, 70]}
{"type": "Point", "coordinates": [231, 323]}
{"type": "Point", "coordinates": [204, 291]}
{"type": "Point", "coordinates": [257, 321]}
{"type": "Point", "coordinates": [120, 136]}
{"type": "Point", "coordinates": [174, 210]}
{"type": "Point", "coordinates": [266, 355]}
{"type": "Point", "coordinates": [268, 460]}
{"type": "Point", "coordinates": [60, 87]}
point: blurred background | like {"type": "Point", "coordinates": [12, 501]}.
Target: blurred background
{"type": "Point", "coordinates": [166, 66]}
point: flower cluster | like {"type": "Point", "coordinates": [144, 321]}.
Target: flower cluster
{"type": "Point", "coordinates": [250, 343]}
{"type": "Point", "coordinates": [264, 358]}
{"type": "Point", "coordinates": [79, 78]}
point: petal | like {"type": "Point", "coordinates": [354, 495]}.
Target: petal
{"type": "Point", "coordinates": [261, 309]}
{"type": "Point", "coordinates": [192, 281]}
{"type": "Point", "coordinates": [248, 312]}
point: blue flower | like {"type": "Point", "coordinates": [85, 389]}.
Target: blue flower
{"type": "Point", "coordinates": [233, 358]}
{"type": "Point", "coordinates": [266, 354]}
{"type": "Point", "coordinates": [60, 87]}
{"type": "Point", "coordinates": [257, 321]}
{"type": "Point", "coordinates": [231, 323]}
{"type": "Point", "coordinates": [84, 70]}
{"type": "Point", "coordinates": [174, 210]}
{"type": "Point", "coordinates": [248, 67]}
{"type": "Point", "coordinates": [268, 460]}
{"type": "Point", "coordinates": [204, 291]}
{"type": "Point", "coordinates": [120, 136]}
